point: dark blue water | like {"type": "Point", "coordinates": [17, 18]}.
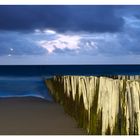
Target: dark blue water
{"type": "Point", "coordinates": [23, 87]}
{"type": "Point", "coordinates": [27, 80]}
{"type": "Point", "coordinates": [47, 70]}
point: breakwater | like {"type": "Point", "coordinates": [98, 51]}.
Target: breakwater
{"type": "Point", "coordinates": [101, 105]}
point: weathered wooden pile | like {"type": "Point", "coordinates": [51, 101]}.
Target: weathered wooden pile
{"type": "Point", "coordinates": [101, 105]}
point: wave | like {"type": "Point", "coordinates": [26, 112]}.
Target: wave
{"type": "Point", "coordinates": [23, 87]}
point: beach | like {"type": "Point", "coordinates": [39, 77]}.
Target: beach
{"type": "Point", "coordinates": [35, 116]}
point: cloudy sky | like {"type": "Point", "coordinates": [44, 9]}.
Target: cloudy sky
{"type": "Point", "coordinates": [69, 34]}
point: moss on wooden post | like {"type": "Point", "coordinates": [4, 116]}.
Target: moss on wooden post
{"type": "Point", "coordinates": [93, 100]}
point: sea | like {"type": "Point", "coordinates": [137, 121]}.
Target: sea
{"type": "Point", "coordinates": [51, 70]}
{"type": "Point", "coordinates": [28, 80]}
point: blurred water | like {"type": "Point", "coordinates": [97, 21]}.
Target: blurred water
{"type": "Point", "coordinates": [23, 87]}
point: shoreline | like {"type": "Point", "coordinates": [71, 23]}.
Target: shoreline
{"type": "Point", "coordinates": [35, 116]}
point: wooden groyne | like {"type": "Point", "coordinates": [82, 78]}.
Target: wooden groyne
{"type": "Point", "coordinates": [101, 105]}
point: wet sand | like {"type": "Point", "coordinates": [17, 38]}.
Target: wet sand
{"type": "Point", "coordinates": [34, 116]}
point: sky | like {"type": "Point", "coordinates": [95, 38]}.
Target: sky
{"type": "Point", "coordinates": [68, 34]}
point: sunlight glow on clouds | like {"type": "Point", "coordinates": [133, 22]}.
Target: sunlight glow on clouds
{"type": "Point", "coordinates": [48, 31]}
{"type": "Point", "coordinates": [11, 49]}
{"type": "Point", "coordinates": [132, 21]}
{"type": "Point", "coordinates": [61, 42]}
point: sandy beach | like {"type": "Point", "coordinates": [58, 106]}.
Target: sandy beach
{"type": "Point", "coordinates": [34, 116]}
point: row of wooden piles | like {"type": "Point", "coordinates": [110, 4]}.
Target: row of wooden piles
{"type": "Point", "coordinates": [101, 105]}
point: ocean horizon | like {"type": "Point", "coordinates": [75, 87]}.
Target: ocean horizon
{"type": "Point", "coordinates": [51, 70]}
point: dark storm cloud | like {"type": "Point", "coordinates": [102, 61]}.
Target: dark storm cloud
{"type": "Point", "coordinates": [60, 18]}
{"type": "Point", "coordinates": [17, 44]}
